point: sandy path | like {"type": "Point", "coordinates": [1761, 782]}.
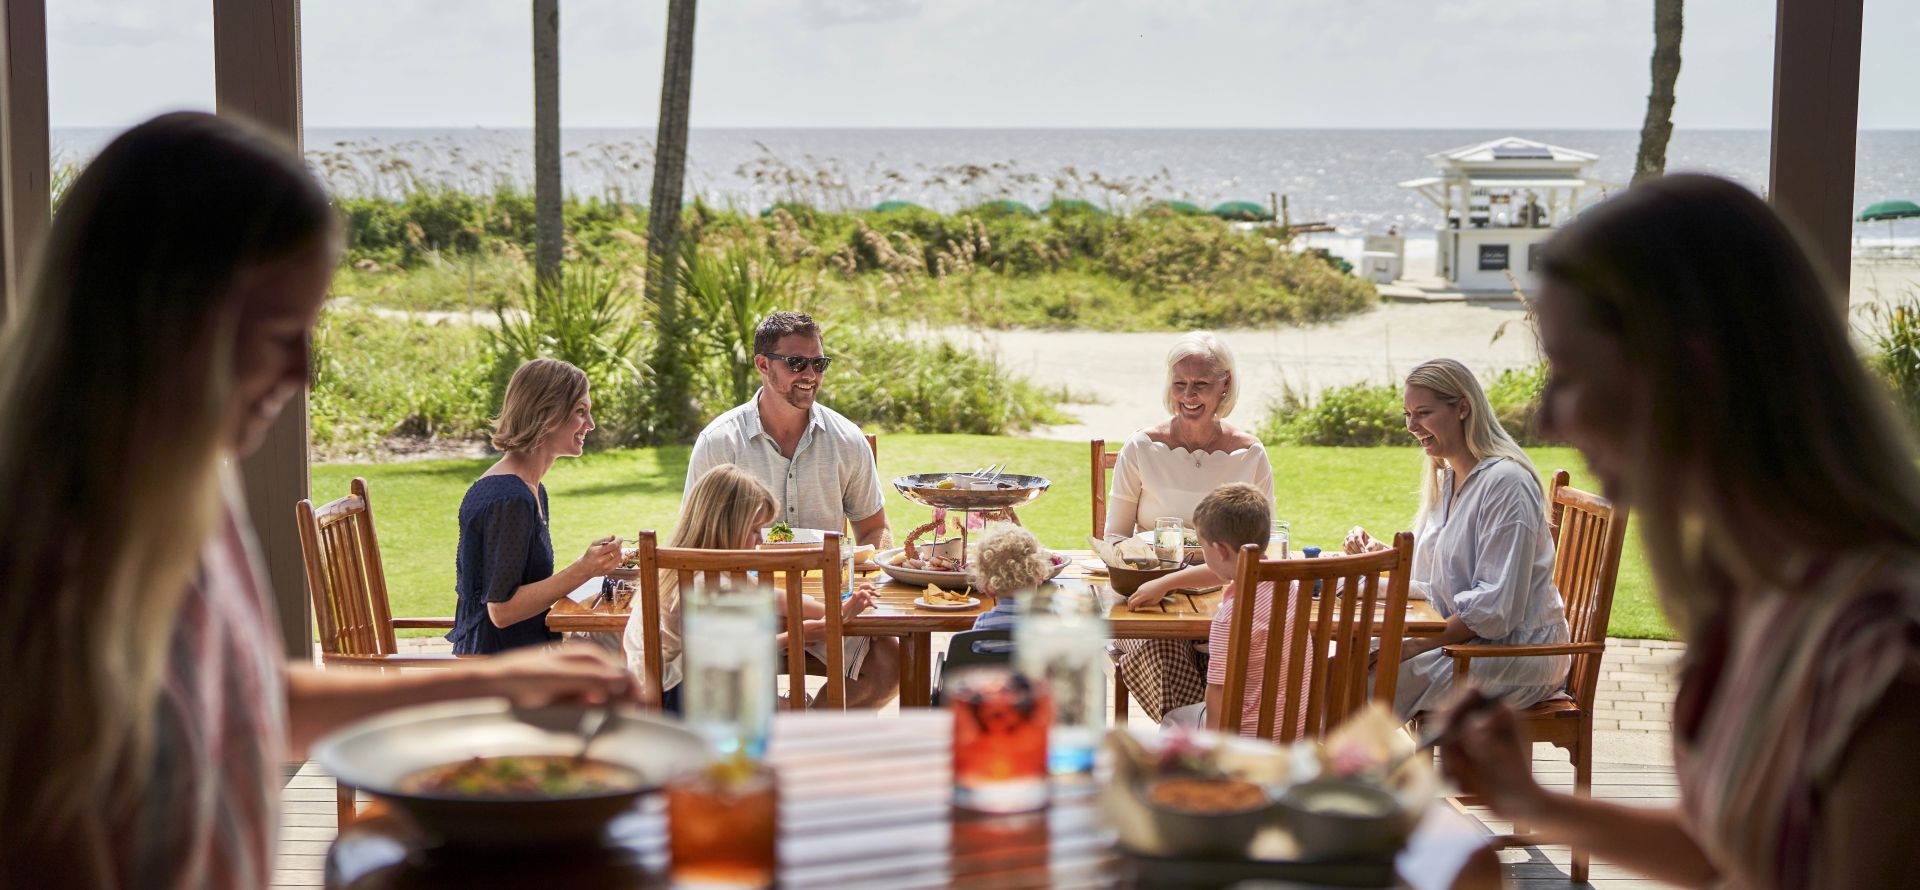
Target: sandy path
{"type": "Point", "coordinates": [1122, 373]}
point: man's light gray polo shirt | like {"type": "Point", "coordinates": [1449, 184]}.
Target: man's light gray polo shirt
{"type": "Point", "coordinates": [832, 473]}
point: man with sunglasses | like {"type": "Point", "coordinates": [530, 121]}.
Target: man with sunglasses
{"type": "Point", "coordinates": [816, 462]}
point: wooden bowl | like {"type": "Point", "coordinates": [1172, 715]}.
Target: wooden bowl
{"type": "Point", "coordinates": [1125, 580]}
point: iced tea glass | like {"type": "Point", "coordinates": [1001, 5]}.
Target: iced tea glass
{"type": "Point", "coordinates": [1000, 724]}
{"type": "Point", "coordinates": [721, 826]}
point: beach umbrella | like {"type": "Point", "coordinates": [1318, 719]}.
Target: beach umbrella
{"type": "Point", "coordinates": [1073, 205]}
{"type": "Point", "coordinates": [1179, 208]}
{"type": "Point", "coordinates": [1242, 211]}
{"type": "Point", "coordinates": [891, 206]}
{"type": "Point", "coordinates": [1890, 211]}
{"type": "Point", "coordinates": [1004, 207]}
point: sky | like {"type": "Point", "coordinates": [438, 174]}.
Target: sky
{"type": "Point", "coordinates": [1548, 64]}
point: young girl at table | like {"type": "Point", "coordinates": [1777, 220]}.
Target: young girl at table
{"type": "Point", "coordinates": [723, 511]}
{"type": "Point", "coordinates": [1229, 518]}
{"type": "Point", "coordinates": [1008, 559]}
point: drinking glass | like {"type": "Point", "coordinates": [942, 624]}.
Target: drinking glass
{"type": "Point", "coordinates": [1169, 540]}
{"type": "Point", "coordinates": [1000, 725]}
{"type": "Point", "coordinates": [729, 654]}
{"type": "Point", "coordinates": [1060, 636]}
{"type": "Point", "coordinates": [721, 826]}
{"type": "Point", "coordinates": [1279, 540]}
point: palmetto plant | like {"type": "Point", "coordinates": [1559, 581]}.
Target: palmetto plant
{"type": "Point", "coordinates": [585, 318]}
{"type": "Point", "coordinates": [727, 294]}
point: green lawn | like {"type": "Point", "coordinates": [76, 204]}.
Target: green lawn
{"type": "Point", "coordinates": [1321, 491]}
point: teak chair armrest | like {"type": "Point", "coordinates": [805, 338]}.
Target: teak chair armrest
{"type": "Point", "coordinates": [1464, 654]}
{"type": "Point", "coordinates": [392, 661]}
{"type": "Point", "coordinates": [434, 623]}
{"type": "Point", "coordinates": [1491, 650]}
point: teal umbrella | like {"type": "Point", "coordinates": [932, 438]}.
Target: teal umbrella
{"type": "Point", "coordinates": [1005, 207]}
{"type": "Point", "coordinates": [1889, 211]}
{"type": "Point", "coordinates": [1242, 211]}
{"type": "Point", "coordinates": [1178, 208]}
{"type": "Point", "coordinates": [891, 206]}
{"type": "Point", "coordinates": [1064, 206]}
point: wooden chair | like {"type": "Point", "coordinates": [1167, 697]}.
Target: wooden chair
{"type": "Point", "coordinates": [790, 565]}
{"type": "Point", "coordinates": [1335, 644]}
{"type": "Point", "coordinates": [1103, 460]}
{"type": "Point", "coordinates": [348, 585]}
{"type": "Point", "coordinates": [1589, 533]}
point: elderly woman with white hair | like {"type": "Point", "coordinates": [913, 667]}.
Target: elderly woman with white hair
{"type": "Point", "coordinates": [1164, 471]}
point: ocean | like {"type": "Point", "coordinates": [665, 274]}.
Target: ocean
{"type": "Point", "coordinates": [1345, 178]}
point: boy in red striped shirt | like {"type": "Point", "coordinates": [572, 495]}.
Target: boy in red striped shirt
{"type": "Point", "coordinates": [1228, 518]}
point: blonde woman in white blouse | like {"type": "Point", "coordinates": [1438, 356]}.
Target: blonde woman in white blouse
{"type": "Point", "coordinates": [1483, 553]}
{"type": "Point", "coordinates": [1164, 471]}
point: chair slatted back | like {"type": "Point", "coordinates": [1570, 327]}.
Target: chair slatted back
{"type": "Point", "coordinates": [1589, 533]}
{"type": "Point", "coordinates": [345, 577]}
{"type": "Point", "coordinates": [788, 566]}
{"type": "Point", "coordinates": [1325, 649]}
{"type": "Point", "coordinates": [1103, 460]}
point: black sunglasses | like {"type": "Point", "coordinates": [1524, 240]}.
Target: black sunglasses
{"type": "Point", "coordinates": [798, 363]}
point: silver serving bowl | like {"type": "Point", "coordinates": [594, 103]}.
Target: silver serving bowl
{"type": "Point", "coordinates": [944, 580]}
{"type": "Point", "coordinates": [1008, 491]}
{"type": "Point", "coordinates": [376, 754]}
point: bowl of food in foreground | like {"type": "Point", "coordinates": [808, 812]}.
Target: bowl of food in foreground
{"type": "Point", "coordinates": [1333, 817]}
{"type": "Point", "coordinates": [1208, 815]}
{"type": "Point", "coordinates": [482, 773]}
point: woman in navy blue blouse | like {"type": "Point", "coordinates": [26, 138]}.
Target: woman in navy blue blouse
{"type": "Point", "coordinates": [506, 582]}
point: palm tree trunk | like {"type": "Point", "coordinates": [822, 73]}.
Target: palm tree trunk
{"type": "Point", "coordinates": [546, 142]}
{"type": "Point", "coordinates": [673, 420]}
{"type": "Point", "coordinates": [1658, 128]}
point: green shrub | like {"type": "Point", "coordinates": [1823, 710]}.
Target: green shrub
{"type": "Point", "coordinates": [1374, 414]}
{"type": "Point", "coordinates": [378, 376]}
{"type": "Point", "coordinates": [885, 380]}
{"type": "Point", "coordinates": [584, 318]}
{"type": "Point", "coordinates": [1895, 340]}
{"type": "Point", "coordinates": [725, 295]}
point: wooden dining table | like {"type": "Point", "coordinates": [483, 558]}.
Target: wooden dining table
{"type": "Point", "coordinates": [1181, 616]}
{"type": "Point", "coordinates": [864, 803]}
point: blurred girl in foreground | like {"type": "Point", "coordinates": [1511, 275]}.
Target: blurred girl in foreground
{"type": "Point", "coordinates": [1702, 365]}
{"type": "Point", "coordinates": [151, 710]}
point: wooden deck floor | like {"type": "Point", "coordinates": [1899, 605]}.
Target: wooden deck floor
{"type": "Point", "coordinates": [308, 824]}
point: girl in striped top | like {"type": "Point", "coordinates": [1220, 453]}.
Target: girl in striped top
{"type": "Point", "coordinates": [1702, 365]}
{"type": "Point", "coordinates": [149, 709]}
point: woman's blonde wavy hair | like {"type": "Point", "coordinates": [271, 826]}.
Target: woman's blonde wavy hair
{"type": "Point", "coordinates": [1453, 383]}
{"type": "Point", "coordinates": [115, 385]}
{"type": "Point", "coordinates": [1009, 559]}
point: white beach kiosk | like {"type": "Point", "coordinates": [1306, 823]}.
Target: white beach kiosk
{"type": "Point", "coordinates": [1499, 201]}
